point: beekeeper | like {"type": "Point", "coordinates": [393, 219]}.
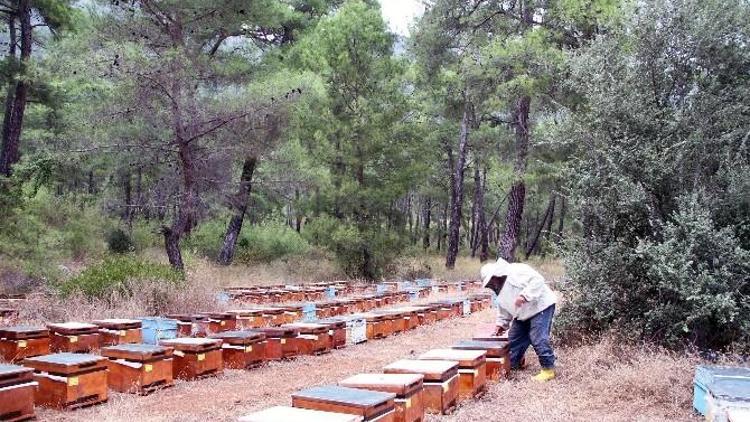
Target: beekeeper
{"type": "Point", "coordinates": [526, 306]}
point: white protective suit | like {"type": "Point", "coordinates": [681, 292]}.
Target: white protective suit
{"type": "Point", "coordinates": [521, 280]}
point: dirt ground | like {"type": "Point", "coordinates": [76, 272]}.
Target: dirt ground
{"type": "Point", "coordinates": [601, 382]}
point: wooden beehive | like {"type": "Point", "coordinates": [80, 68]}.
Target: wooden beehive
{"type": "Point", "coordinates": [408, 388]}
{"type": "Point", "coordinates": [242, 349]}
{"type": "Point", "coordinates": [139, 368]}
{"type": "Point", "coordinates": [472, 369]}
{"type": "Point", "coordinates": [294, 414]}
{"type": "Point", "coordinates": [246, 319]}
{"type": "Point", "coordinates": [498, 361]}
{"type": "Point", "coordinates": [378, 325]}
{"type": "Point", "coordinates": [411, 317]}
{"type": "Point", "coordinates": [21, 342]}
{"type": "Point", "coordinates": [217, 322]}
{"type": "Point", "coordinates": [17, 388]}
{"type": "Point", "coordinates": [195, 357]}
{"type": "Point", "coordinates": [69, 380]}
{"type": "Point", "coordinates": [74, 337]}
{"type": "Point", "coordinates": [371, 405]}
{"type": "Point", "coordinates": [273, 317]}
{"type": "Point", "coordinates": [489, 332]}
{"type": "Point", "coordinates": [397, 318]}
{"type": "Point", "coordinates": [444, 311]}
{"type": "Point", "coordinates": [119, 331]}
{"type": "Point", "coordinates": [313, 338]}
{"type": "Point", "coordinates": [337, 331]}
{"type": "Point", "coordinates": [281, 343]}
{"type": "Point", "coordinates": [440, 381]}
{"type": "Point", "coordinates": [427, 314]}
{"type": "Point", "coordinates": [188, 325]}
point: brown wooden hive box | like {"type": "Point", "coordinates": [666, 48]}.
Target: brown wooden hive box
{"type": "Point", "coordinates": [273, 317]}
{"type": "Point", "coordinates": [195, 357]}
{"type": "Point", "coordinates": [371, 405]}
{"type": "Point", "coordinates": [17, 388]}
{"type": "Point", "coordinates": [313, 338]}
{"type": "Point", "coordinates": [74, 337]}
{"type": "Point", "coordinates": [217, 322]}
{"type": "Point", "coordinates": [440, 381]}
{"type": "Point", "coordinates": [242, 349]}
{"type": "Point", "coordinates": [443, 310]}
{"type": "Point", "coordinates": [69, 380]}
{"type": "Point", "coordinates": [472, 369]}
{"type": "Point", "coordinates": [488, 332]}
{"type": "Point", "coordinates": [408, 388]}
{"type": "Point", "coordinates": [21, 342]}
{"type": "Point", "coordinates": [295, 414]}
{"type": "Point", "coordinates": [190, 325]}
{"type": "Point", "coordinates": [378, 325]}
{"type": "Point", "coordinates": [337, 331]}
{"type": "Point", "coordinates": [139, 368]}
{"type": "Point", "coordinates": [119, 331]}
{"type": "Point", "coordinates": [397, 318]}
{"type": "Point", "coordinates": [246, 319]}
{"type": "Point", "coordinates": [281, 343]}
{"type": "Point", "coordinates": [498, 361]}
{"type": "Point", "coordinates": [411, 316]}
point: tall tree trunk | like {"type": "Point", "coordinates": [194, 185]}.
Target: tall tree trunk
{"type": "Point", "coordinates": [562, 219]}
{"type": "Point", "coordinates": [11, 94]}
{"type": "Point", "coordinates": [297, 212]}
{"type": "Point", "coordinates": [10, 152]}
{"type": "Point", "coordinates": [548, 214]}
{"type": "Point", "coordinates": [478, 212]}
{"type": "Point", "coordinates": [427, 213]}
{"type": "Point", "coordinates": [127, 214]}
{"type": "Point", "coordinates": [240, 207]}
{"type": "Point", "coordinates": [457, 190]}
{"type": "Point", "coordinates": [517, 195]}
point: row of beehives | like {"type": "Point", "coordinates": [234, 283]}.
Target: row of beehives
{"type": "Point", "coordinates": [70, 378]}
{"type": "Point", "coordinates": [435, 382]}
{"type": "Point", "coordinates": [318, 291]}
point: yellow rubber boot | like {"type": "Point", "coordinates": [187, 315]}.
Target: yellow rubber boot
{"type": "Point", "coordinates": [544, 375]}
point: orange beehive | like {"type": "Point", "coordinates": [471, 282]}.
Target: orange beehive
{"type": "Point", "coordinates": [189, 325]}
{"type": "Point", "coordinates": [313, 338]}
{"type": "Point", "coordinates": [74, 337]}
{"type": "Point", "coordinates": [281, 343]}
{"type": "Point", "coordinates": [20, 342]}
{"type": "Point", "coordinates": [273, 317]}
{"type": "Point", "coordinates": [378, 325]}
{"type": "Point", "coordinates": [411, 316]}
{"type": "Point", "coordinates": [337, 331]}
{"type": "Point", "coordinates": [498, 361]}
{"type": "Point", "coordinates": [242, 349]}
{"type": "Point", "coordinates": [408, 388]}
{"type": "Point", "coordinates": [396, 317]}
{"type": "Point", "coordinates": [246, 319]}
{"type": "Point", "coordinates": [295, 414]}
{"type": "Point", "coordinates": [472, 369]}
{"type": "Point", "coordinates": [17, 387]}
{"type": "Point", "coordinates": [371, 405]}
{"type": "Point", "coordinates": [217, 322]}
{"type": "Point", "coordinates": [69, 380]}
{"type": "Point", "coordinates": [119, 331]}
{"type": "Point", "coordinates": [138, 368]}
{"type": "Point", "coordinates": [440, 381]}
{"type": "Point", "coordinates": [195, 357]}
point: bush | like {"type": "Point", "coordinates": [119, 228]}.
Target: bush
{"type": "Point", "coordinates": [119, 242]}
{"type": "Point", "coordinates": [360, 253]}
{"type": "Point", "coordinates": [269, 242]}
{"type": "Point", "coordinates": [114, 274]}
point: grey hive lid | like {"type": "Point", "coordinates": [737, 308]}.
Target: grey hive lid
{"type": "Point", "coordinates": [352, 396]}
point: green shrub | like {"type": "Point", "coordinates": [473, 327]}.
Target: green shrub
{"type": "Point", "coordinates": [113, 274]}
{"type": "Point", "coordinates": [206, 239]}
{"type": "Point", "coordinates": [119, 242]}
{"type": "Point", "coordinates": [269, 242]}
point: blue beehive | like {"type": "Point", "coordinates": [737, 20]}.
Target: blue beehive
{"type": "Point", "coordinates": [331, 292]}
{"type": "Point", "coordinates": [309, 312]}
{"type": "Point", "coordinates": [380, 288]}
{"type": "Point", "coordinates": [718, 384]}
{"type": "Point", "coordinates": [156, 328]}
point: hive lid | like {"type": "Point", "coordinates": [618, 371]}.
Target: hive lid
{"type": "Point", "coordinates": [240, 336]}
{"type": "Point", "coordinates": [137, 352]}
{"type": "Point", "coordinates": [118, 324]}
{"type": "Point", "coordinates": [14, 374]}
{"type": "Point", "coordinates": [278, 332]}
{"type": "Point", "coordinates": [433, 370]}
{"type": "Point", "coordinates": [344, 395]}
{"type": "Point", "coordinates": [245, 312]}
{"type": "Point", "coordinates": [493, 348]}
{"type": "Point", "coordinates": [290, 414]}
{"type": "Point", "coordinates": [333, 322]}
{"type": "Point", "coordinates": [70, 328]}
{"type": "Point", "coordinates": [192, 344]}
{"type": "Point", "coordinates": [465, 358]}
{"type": "Point", "coordinates": [187, 317]}
{"type": "Point", "coordinates": [272, 311]}
{"type": "Point", "coordinates": [20, 332]}
{"type": "Point", "coordinates": [399, 384]}
{"type": "Point", "coordinates": [307, 327]}
{"type": "Point", "coordinates": [65, 363]}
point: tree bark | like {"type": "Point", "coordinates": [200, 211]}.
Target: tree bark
{"type": "Point", "coordinates": [548, 214]}
{"type": "Point", "coordinates": [10, 152]}
{"type": "Point", "coordinates": [457, 189]}
{"type": "Point", "coordinates": [427, 215]}
{"type": "Point", "coordinates": [517, 196]}
{"type": "Point", "coordinates": [478, 208]}
{"type": "Point", "coordinates": [240, 207]}
{"type": "Point", "coordinates": [562, 219]}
